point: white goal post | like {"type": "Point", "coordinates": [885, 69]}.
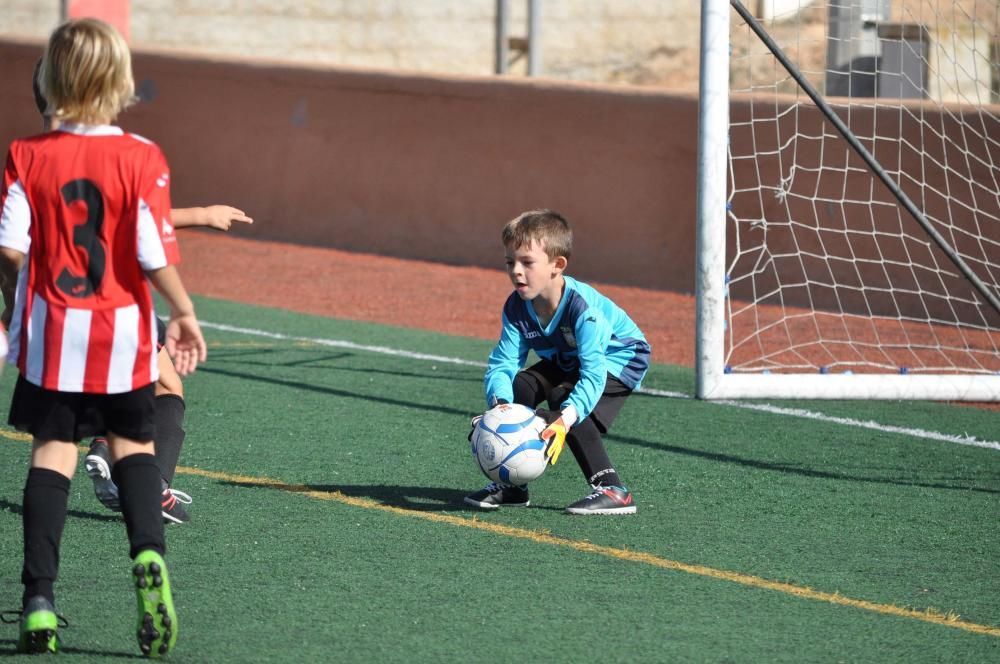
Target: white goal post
{"type": "Point", "coordinates": [848, 241]}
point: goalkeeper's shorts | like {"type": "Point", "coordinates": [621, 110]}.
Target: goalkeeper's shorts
{"type": "Point", "coordinates": [559, 383]}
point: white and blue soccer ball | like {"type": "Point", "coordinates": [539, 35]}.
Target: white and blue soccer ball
{"type": "Point", "coordinates": [507, 446]}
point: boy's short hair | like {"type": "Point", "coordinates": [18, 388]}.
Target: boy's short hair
{"type": "Point", "coordinates": [546, 227]}
{"type": "Point", "coordinates": [86, 72]}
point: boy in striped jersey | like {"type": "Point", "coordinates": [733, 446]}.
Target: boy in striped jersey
{"type": "Point", "coordinates": [592, 357]}
{"type": "Point", "coordinates": [83, 225]}
{"type": "Point", "coordinates": [170, 405]}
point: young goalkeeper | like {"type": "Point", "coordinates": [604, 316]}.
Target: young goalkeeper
{"type": "Point", "coordinates": [592, 357]}
{"type": "Point", "coordinates": [82, 230]}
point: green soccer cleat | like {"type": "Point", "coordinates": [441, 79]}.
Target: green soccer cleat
{"type": "Point", "coordinates": [157, 629]}
{"type": "Point", "coordinates": [39, 623]}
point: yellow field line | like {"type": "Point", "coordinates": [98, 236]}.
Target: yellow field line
{"type": "Point", "coordinates": [929, 615]}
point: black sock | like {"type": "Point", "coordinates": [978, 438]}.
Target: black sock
{"type": "Point", "coordinates": [139, 488]}
{"type": "Point", "coordinates": [169, 434]}
{"type": "Point", "coordinates": [46, 496]}
{"type": "Point", "coordinates": [584, 440]}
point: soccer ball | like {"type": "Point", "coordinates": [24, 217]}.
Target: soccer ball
{"type": "Point", "coordinates": [506, 444]}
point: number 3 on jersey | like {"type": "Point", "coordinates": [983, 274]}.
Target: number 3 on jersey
{"type": "Point", "coordinates": [86, 237]}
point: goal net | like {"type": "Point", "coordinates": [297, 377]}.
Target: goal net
{"type": "Point", "coordinates": [849, 199]}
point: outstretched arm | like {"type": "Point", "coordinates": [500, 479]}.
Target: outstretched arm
{"type": "Point", "coordinates": [213, 216]}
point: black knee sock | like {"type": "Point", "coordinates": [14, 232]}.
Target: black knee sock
{"type": "Point", "coordinates": [138, 481]}
{"type": "Point", "coordinates": [169, 434]}
{"type": "Point", "coordinates": [585, 442]}
{"type": "Point", "coordinates": [46, 495]}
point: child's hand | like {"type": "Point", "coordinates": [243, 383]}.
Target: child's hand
{"type": "Point", "coordinates": [223, 216]}
{"type": "Point", "coordinates": [475, 420]}
{"type": "Point", "coordinates": [554, 433]}
{"type": "Point", "coordinates": [185, 343]}
{"type": "Point", "coordinates": [475, 423]}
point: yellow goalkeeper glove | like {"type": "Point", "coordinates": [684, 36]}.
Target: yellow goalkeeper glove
{"type": "Point", "coordinates": [554, 434]}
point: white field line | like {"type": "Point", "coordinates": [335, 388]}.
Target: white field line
{"type": "Point", "coordinates": [764, 408]}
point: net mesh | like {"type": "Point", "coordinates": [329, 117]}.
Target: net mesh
{"type": "Point", "coordinates": [826, 271]}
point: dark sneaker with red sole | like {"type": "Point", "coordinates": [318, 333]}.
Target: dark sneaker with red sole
{"type": "Point", "coordinates": [604, 500]}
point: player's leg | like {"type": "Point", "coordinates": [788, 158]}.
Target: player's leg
{"type": "Point", "coordinates": [585, 439]}
{"type": "Point", "coordinates": [170, 435]}
{"type": "Point", "coordinates": [50, 417]}
{"type": "Point", "coordinates": [44, 505]}
{"type": "Point", "coordinates": [138, 479]}
{"type": "Point", "coordinates": [130, 424]}
{"type": "Point", "coordinates": [533, 385]}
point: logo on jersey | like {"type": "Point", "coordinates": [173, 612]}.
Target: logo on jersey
{"type": "Point", "coordinates": [162, 180]}
{"type": "Point", "coordinates": [568, 335]}
{"type": "Point", "coordinates": [168, 228]}
{"type": "Point", "coordinates": [532, 334]}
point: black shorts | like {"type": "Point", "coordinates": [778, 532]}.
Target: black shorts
{"type": "Point", "coordinates": [74, 416]}
{"type": "Point", "coordinates": [562, 383]}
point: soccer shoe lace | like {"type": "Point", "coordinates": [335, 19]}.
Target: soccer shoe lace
{"type": "Point", "coordinates": [172, 505]}
{"type": "Point", "coordinates": [596, 491]}
{"type": "Point", "coordinates": [178, 496]}
{"type": "Point", "coordinates": [493, 488]}
{"type": "Point", "coordinates": [495, 495]}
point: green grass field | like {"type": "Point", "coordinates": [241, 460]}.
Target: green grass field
{"type": "Point", "coordinates": [328, 462]}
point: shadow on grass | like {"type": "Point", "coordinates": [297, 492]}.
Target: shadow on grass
{"type": "Point", "coordinates": [15, 508]}
{"type": "Point", "coordinates": [957, 483]}
{"type": "Point", "coordinates": [951, 484]}
{"type": "Point", "coordinates": [298, 385]}
{"type": "Point", "coordinates": [8, 648]}
{"type": "Point", "coordinates": [415, 498]}
{"type": "Point", "coordinates": [323, 363]}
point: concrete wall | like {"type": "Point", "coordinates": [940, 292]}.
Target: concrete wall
{"type": "Point", "coordinates": [417, 167]}
{"type": "Point", "coordinates": [431, 167]}
{"type": "Point", "coordinates": [638, 41]}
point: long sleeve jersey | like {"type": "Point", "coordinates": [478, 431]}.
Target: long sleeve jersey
{"type": "Point", "coordinates": [589, 335]}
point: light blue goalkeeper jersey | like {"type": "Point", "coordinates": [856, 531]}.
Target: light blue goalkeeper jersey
{"type": "Point", "coordinates": [588, 334]}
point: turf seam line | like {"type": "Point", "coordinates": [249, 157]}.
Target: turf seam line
{"type": "Point", "coordinates": [929, 615]}
{"type": "Point", "coordinates": [766, 408]}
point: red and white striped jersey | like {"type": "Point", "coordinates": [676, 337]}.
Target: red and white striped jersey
{"type": "Point", "coordinates": [90, 208]}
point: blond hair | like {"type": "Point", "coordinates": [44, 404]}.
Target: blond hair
{"type": "Point", "coordinates": [86, 72]}
{"type": "Point", "coordinates": [546, 227]}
